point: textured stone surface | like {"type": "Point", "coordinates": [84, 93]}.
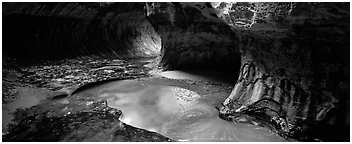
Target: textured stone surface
{"type": "Point", "coordinates": [294, 62]}
{"type": "Point", "coordinates": [291, 59]}
{"type": "Point", "coordinates": [301, 62]}
{"type": "Point", "coordinates": [84, 116]}
{"type": "Point", "coordinates": [193, 38]}
{"type": "Point", "coordinates": [73, 120]}
{"type": "Point", "coordinates": [244, 15]}
{"type": "Point", "coordinates": [68, 75]}
{"type": "Point", "coordinates": [42, 31]}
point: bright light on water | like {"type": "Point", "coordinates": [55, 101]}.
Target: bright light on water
{"type": "Point", "coordinates": [179, 114]}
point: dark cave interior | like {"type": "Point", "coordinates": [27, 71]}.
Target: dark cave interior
{"type": "Point", "coordinates": [72, 71]}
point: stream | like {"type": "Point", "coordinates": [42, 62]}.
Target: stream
{"type": "Point", "coordinates": [114, 100]}
{"type": "Point", "coordinates": [175, 112]}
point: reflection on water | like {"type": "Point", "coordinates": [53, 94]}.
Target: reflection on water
{"type": "Point", "coordinates": [179, 114]}
{"type": "Point", "coordinates": [27, 97]}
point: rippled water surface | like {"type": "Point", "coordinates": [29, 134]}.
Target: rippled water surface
{"type": "Point", "coordinates": [175, 112]}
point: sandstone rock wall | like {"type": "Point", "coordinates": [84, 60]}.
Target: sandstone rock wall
{"type": "Point", "coordinates": [298, 59]}
{"type": "Point", "coordinates": [42, 31]}
{"type": "Point", "coordinates": [291, 59]}
{"type": "Point", "coordinates": [294, 57]}
{"type": "Point", "coordinates": [193, 37]}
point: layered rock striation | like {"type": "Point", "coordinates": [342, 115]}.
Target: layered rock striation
{"type": "Point", "coordinates": [50, 31]}
{"type": "Point", "coordinates": [294, 66]}
{"type": "Point", "coordinates": [294, 58]}
{"type": "Point", "coordinates": [193, 37]}
{"type": "Point", "coordinates": [290, 60]}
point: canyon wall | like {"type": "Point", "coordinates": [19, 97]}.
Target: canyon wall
{"type": "Point", "coordinates": [290, 60]}
{"type": "Point", "coordinates": [35, 32]}
{"type": "Point", "coordinates": [193, 37]}
{"type": "Point", "coordinates": [295, 65]}
{"type": "Point", "coordinates": [294, 59]}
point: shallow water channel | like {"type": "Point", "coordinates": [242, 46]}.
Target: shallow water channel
{"type": "Point", "coordinates": [175, 112]}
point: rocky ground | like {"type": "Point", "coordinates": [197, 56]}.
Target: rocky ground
{"type": "Point", "coordinates": [38, 106]}
{"type": "Point", "coordinates": [67, 75]}
{"type": "Point", "coordinates": [55, 80]}
{"type": "Point", "coordinates": [79, 121]}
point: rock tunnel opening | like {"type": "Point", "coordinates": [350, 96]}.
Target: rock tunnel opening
{"type": "Point", "coordinates": [195, 41]}
{"type": "Point", "coordinates": [121, 31]}
{"type": "Point", "coordinates": [283, 63]}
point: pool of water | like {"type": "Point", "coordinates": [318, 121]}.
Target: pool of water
{"type": "Point", "coordinates": [27, 97]}
{"type": "Point", "coordinates": [178, 113]}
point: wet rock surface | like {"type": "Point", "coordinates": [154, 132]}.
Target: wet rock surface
{"type": "Point", "coordinates": [296, 59]}
{"type": "Point", "coordinates": [291, 60]}
{"type": "Point", "coordinates": [69, 74]}
{"type": "Point", "coordinates": [56, 116]}
{"type": "Point", "coordinates": [294, 63]}
{"type": "Point", "coordinates": [92, 121]}
{"type": "Point", "coordinates": [183, 110]}
{"type": "Point", "coordinates": [59, 117]}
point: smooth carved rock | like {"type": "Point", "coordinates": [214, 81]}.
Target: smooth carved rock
{"type": "Point", "coordinates": [292, 64]}
{"type": "Point", "coordinates": [193, 38]}
{"type": "Point", "coordinates": [51, 31]}
{"type": "Point", "coordinates": [289, 54]}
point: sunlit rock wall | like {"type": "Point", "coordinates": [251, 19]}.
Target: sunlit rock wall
{"type": "Point", "coordinates": [193, 37]}
{"type": "Point", "coordinates": [42, 31]}
{"type": "Point", "coordinates": [295, 65]}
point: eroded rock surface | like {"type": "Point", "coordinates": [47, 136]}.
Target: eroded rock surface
{"type": "Point", "coordinates": [183, 110]}
{"type": "Point", "coordinates": [68, 75]}
{"type": "Point", "coordinates": [290, 60]}
{"type": "Point", "coordinates": [294, 62]}
{"type": "Point", "coordinates": [69, 119]}
{"type": "Point", "coordinates": [299, 60]}
{"type": "Point", "coordinates": [37, 32]}
{"type": "Point", "coordinates": [193, 37]}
